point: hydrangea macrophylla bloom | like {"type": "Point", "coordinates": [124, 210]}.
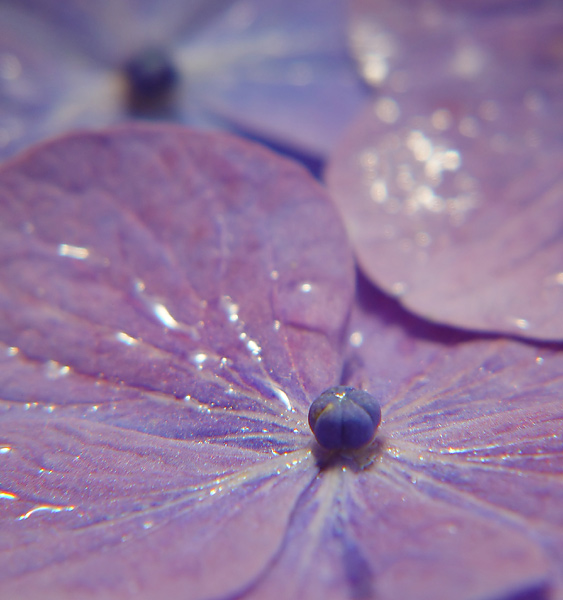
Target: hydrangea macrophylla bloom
{"type": "Point", "coordinates": [277, 70]}
{"type": "Point", "coordinates": [450, 183]}
{"type": "Point", "coordinates": [171, 304]}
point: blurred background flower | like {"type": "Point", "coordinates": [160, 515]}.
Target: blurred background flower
{"type": "Point", "coordinates": [450, 181]}
{"type": "Point", "coordinates": [278, 71]}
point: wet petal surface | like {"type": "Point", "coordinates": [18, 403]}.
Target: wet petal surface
{"type": "Point", "coordinates": [95, 509]}
{"type": "Point", "coordinates": [469, 422]}
{"type": "Point", "coordinates": [450, 182]}
{"type": "Point", "coordinates": [170, 303]}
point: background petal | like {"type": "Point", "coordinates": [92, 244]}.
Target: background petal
{"type": "Point", "coordinates": [283, 72]}
{"type": "Point", "coordinates": [450, 183]}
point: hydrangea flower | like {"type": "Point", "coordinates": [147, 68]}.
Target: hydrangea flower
{"type": "Point", "coordinates": [171, 303]}
{"type": "Point", "coordinates": [276, 70]}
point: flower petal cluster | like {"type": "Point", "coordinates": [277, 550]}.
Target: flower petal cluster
{"type": "Point", "coordinates": [173, 301]}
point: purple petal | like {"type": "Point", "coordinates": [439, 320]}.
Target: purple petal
{"type": "Point", "coordinates": [303, 91]}
{"type": "Point", "coordinates": [451, 184]}
{"type": "Point", "coordinates": [472, 426]}
{"type": "Point", "coordinates": [170, 303]}
{"type": "Point", "coordinates": [95, 510]}
{"type": "Point", "coordinates": [460, 494]}
{"type": "Point", "coordinates": [369, 534]}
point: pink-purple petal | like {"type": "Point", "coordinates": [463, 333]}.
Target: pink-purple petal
{"type": "Point", "coordinates": [98, 511]}
{"type": "Point", "coordinates": [450, 183]}
{"type": "Point", "coordinates": [143, 244]}
{"type": "Point", "coordinates": [171, 302]}
{"type": "Point", "coordinates": [304, 91]}
{"type": "Point", "coordinates": [372, 534]}
{"type": "Point", "coordinates": [472, 423]}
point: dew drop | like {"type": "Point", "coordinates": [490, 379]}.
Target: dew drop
{"type": "Point", "coordinates": [282, 396]}
{"type": "Point", "coordinates": [521, 323]}
{"type": "Point", "coordinates": [124, 338]}
{"type": "Point", "coordinates": [253, 347]}
{"type": "Point", "coordinates": [45, 508]}
{"type": "Point", "coordinates": [231, 308]}
{"type": "Point", "coordinates": [4, 495]}
{"type": "Point", "coordinates": [164, 316]}
{"type": "Point", "coordinates": [75, 252]}
{"type": "Point", "coordinates": [356, 339]}
{"type": "Point", "coordinates": [54, 370]}
{"type": "Point", "coordinates": [199, 358]}
{"type": "Point", "coordinates": [399, 288]}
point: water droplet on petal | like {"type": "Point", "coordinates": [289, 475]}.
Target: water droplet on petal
{"type": "Point", "coordinates": [75, 252]}
{"type": "Point", "coordinates": [124, 338]}
{"type": "Point", "coordinates": [356, 339]}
